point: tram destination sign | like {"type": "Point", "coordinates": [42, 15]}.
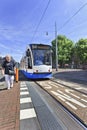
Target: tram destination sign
{"type": "Point", "coordinates": [40, 47]}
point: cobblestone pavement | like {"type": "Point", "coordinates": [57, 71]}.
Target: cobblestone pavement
{"type": "Point", "coordinates": [9, 108]}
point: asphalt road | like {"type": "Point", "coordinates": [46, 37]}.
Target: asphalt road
{"type": "Point", "coordinates": [76, 76]}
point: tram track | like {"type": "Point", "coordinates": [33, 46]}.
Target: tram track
{"type": "Point", "coordinates": [51, 84]}
{"type": "Point", "coordinates": [73, 88]}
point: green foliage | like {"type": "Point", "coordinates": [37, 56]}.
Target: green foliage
{"type": "Point", "coordinates": [65, 47]}
{"type": "Point", "coordinates": [81, 48]}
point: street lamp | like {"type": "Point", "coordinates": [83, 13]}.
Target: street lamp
{"type": "Point", "coordinates": [56, 47]}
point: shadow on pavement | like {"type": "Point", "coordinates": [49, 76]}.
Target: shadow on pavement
{"type": "Point", "coordinates": [3, 89]}
{"type": "Point", "coordinates": [2, 79]}
{"type": "Point", "coordinates": [22, 77]}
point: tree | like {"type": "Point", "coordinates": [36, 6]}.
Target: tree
{"type": "Point", "coordinates": [65, 48]}
{"type": "Point", "coordinates": [81, 48]}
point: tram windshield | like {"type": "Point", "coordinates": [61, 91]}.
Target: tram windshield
{"type": "Point", "coordinates": [41, 56]}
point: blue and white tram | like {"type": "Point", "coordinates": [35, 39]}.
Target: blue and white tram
{"type": "Point", "coordinates": [37, 62]}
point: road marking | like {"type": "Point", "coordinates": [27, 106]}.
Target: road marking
{"type": "Point", "coordinates": [25, 100]}
{"type": "Point", "coordinates": [79, 88]}
{"type": "Point", "coordinates": [24, 88]}
{"type": "Point", "coordinates": [55, 93]}
{"type": "Point", "coordinates": [82, 88]}
{"type": "Point", "coordinates": [60, 85]}
{"type": "Point", "coordinates": [75, 95]}
{"type": "Point", "coordinates": [23, 83]}
{"type": "Point", "coordinates": [84, 100]}
{"type": "Point", "coordinates": [53, 84]}
{"type": "Point", "coordinates": [84, 95]}
{"type": "Point", "coordinates": [49, 87]}
{"type": "Point", "coordinates": [64, 96]}
{"type": "Point", "coordinates": [61, 98]}
{"type": "Point", "coordinates": [72, 106]}
{"type": "Point", "coordinates": [27, 113]}
{"type": "Point", "coordinates": [24, 93]}
{"type": "Point", "coordinates": [60, 91]}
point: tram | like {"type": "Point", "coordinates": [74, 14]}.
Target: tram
{"type": "Point", "coordinates": [37, 61]}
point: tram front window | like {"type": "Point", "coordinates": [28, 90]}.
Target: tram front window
{"type": "Point", "coordinates": [41, 57]}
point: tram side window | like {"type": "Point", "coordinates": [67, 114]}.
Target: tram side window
{"type": "Point", "coordinates": [29, 63]}
{"type": "Point", "coordinates": [28, 54]}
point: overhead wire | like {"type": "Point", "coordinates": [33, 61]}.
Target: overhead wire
{"type": "Point", "coordinates": [76, 27]}
{"type": "Point", "coordinates": [40, 20]}
{"type": "Point", "coordinates": [36, 30]}
{"type": "Point", "coordinates": [72, 16]}
{"type": "Point", "coordinates": [60, 28]}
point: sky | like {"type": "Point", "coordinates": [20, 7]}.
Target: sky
{"type": "Point", "coordinates": [21, 23]}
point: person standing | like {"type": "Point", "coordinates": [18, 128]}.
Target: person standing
{"type": "Point", "coordinates": [8, 70]}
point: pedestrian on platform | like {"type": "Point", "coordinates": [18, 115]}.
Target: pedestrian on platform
{"type": "Point", "coordinates": [8, 70]}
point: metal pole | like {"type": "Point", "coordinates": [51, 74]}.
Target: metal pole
{"type": "Point", "coordinates": [17, 73]}
{"type": "Point", "coordinates": [56, 47]}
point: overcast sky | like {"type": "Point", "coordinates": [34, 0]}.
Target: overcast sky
{"type": "Point", "coordinates": [20, 18]}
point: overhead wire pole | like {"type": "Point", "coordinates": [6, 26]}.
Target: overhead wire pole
{"type": "Point", "coordinates": [56, 47]}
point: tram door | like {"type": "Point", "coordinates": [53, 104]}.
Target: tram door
{"type": "Point", "coordinates": [29, 59]}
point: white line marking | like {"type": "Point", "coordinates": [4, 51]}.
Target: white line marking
{"type": "Point", "coordinates": [24, 93]}
{"type": "Point", "coordinates": [75, 95]}
{"type": "Point", "coordinates": [25, 100]}
{"type": "Point", "coordinates": [60, 91]}
{"type": "Point", "coordinates": [72, 106]}
{"type": "Point", "coordinates": [82, 88]}
{"type": "Point", "coordinates": [27, 113]}
{"type": "Point", "coordinates": [24, 88]}
{"type": "Point", "coordinates": [84, 95]}
{"type": "Point", "coordinates": [79, 88]}
{"type": "Point", "coordinates": [23, 83]}
{"type": "Point", "coordinates": [53, 84]}
{"type": "Point", "coordinates": [48, 87]}
{"type": "Point", "coordinates": [64, 96]}
{"type": "Point", "coordinates": [68, 90]}
{"type": "Point", "coordinates": [84, 100]}
{"type": "Point", "coordinates": [55, 93]}
{"type": "Point", "coordinates": [61, 98]}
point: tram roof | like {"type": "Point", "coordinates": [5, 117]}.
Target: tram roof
{"type": "Point", "coordinates": [49, 44]}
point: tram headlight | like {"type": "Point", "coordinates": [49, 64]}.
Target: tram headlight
{"type": "Point", "coordinates": [49, 70]}
{"type": "Point", "coordinates": [36, 71]}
